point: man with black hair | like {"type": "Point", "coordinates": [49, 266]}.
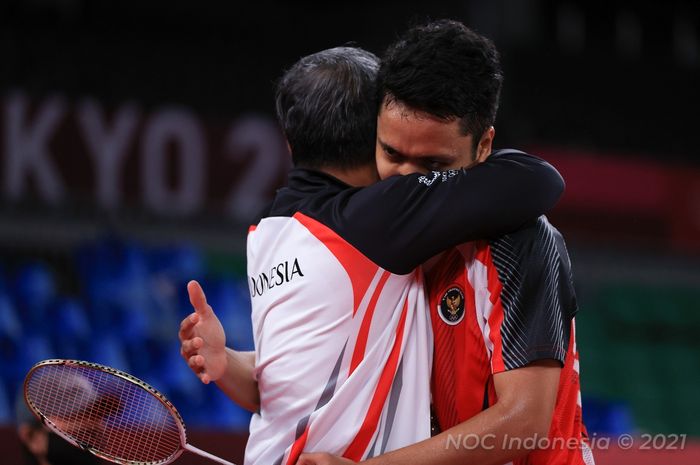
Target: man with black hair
{"type": "Point", "coordinates": [342, 336]}
{"type": "Point", "coordinates": [505, 376]}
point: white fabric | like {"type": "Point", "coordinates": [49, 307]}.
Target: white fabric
{"type": "Point", "coordinates": [302, 326]}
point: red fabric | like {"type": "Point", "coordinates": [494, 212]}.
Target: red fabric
{"type": "Point", "coordinates": [358, 446]}
{"type": "Point", "coordinates": [360, 269]}
{"type": "Point", "coordinates": [463, 370]}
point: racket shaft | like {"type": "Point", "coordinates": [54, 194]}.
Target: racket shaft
{"type": "Point", "coordinates": [202, 453]}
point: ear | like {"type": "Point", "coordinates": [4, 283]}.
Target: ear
{"type": "Point", "coordinates": [483, 150]}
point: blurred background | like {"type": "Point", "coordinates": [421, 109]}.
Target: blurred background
{"type": "Point", "coordinates": [137, 142]}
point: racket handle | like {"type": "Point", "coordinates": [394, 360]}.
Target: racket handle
{"type": "Point", "coordinates": [202, 453]}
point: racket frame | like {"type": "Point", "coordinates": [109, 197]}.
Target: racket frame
{"type": "Point", "coordinates": [127, 377]}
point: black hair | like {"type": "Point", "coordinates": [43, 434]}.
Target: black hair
{"type": "Point", "coordinates": [326, 105]}
{"type": "Point", "coordinates": [446, 70]}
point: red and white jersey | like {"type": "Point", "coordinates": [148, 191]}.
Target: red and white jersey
{"type": "Point", "coordinates": [499, 305]}
{"type": "Point", "coordinates": [343, 347]}
{"type": "Point", "coordinates": [342, 333]}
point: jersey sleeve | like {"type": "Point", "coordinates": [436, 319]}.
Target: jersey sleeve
{"type": "Point", "coordinates": [531, 316]}
{"type": "Point", "coordinates": [401, 222]}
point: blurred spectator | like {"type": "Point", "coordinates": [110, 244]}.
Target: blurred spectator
{"type": "Point", "coordinates": [42, 447]}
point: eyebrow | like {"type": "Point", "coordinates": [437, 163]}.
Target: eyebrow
{"type": "Point", "coordinates": [436, 156]}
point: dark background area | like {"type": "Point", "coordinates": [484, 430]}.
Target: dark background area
{"type": "Point", "coordinates": [606, 91]}
{"type": "Point", "coordinates": [620, 75]}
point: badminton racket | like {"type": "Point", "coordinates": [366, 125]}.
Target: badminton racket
{"type": "Point", "coordinates": [108, 412]}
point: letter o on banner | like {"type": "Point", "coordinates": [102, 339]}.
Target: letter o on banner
{"type": "Point", "coordinates": [178, 128]}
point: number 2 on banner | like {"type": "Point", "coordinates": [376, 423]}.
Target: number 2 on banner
{"type": "Point", "coordinates": [259, 142]}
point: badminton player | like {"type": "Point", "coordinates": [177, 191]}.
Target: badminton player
{"type": "Point", "coordinates": [505, 373]}
{"type": "Point", "coordinates": [342, 335]}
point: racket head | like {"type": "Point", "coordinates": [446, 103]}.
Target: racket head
{"type": "Point", "coordinates": [108, 412]}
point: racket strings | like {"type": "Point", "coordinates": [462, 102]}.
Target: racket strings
{"type": "Point", "coordinates": [105, 412]}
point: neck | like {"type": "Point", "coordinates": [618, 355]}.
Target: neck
{"type": "Point", "coordinates": [356, 177]}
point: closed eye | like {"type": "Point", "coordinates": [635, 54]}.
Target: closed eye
{"type": "Point", "coordinates": [391, 153]}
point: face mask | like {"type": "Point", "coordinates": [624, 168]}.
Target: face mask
{"type": "Point", "coordinates": [62, 453]}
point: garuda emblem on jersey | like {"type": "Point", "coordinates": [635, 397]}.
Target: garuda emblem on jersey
{"type": "Point", "coordinates": [451, 308]}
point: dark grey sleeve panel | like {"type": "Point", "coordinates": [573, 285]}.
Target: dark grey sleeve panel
{"type": "Point", "coordinates": [537, 294]}
{"type": "Point", "coordinates": [402, 221]}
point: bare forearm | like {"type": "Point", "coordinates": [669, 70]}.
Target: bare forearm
{"type": "Point", "coordinates": [478, 440]}
{"type": "Point", "coordinates": [238, 382]}
{"type": "Point", "coordinates": [526, 398]}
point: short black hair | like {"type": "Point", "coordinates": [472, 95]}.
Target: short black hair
{"type": "Point", "coordinates": [446, 70]}
{"type": "Point", "coordinates": [326, 105]}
